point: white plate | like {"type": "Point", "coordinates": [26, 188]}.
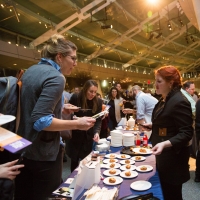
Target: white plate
{"type": "Point", "coordinates": [123, 162]}
{"type": "Point", "coordinates": [123, 167]}
{"type": "Point", "coordinates": [133, 174]}
{"type": "Point", "coordinates": [117, 165]}
{"type": "Point", "coordinates": [140, 185]}
{"type": "Point", "coordinates": [109, 137]}
{"type": "Point", "coordinates": [107, 161]}
{"type": "Point", "coordinates": [142, 158]}
{"type": "Point", "coordinates": [110, 155]}
{"type": "Point", "coordinates": [126, 156]}
{"type": "Point", "coordinates": [137, 150]}
{"type": "Point", "coordinates": [149, 168]}
{"type": "Point", "coordinates": [118, 180]}
{"type": "Point", "coordinates": [71, 107]}
{"type": "Point", "coordinates": [6, 118]}
{"type": "Point", "coordinates": [107, 173]}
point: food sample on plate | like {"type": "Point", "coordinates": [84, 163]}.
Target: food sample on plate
{"type": "Point", "coordinates": [123, 156]}
{"type": "Point", "coordinates": [127, 128]}
{"type": "Point", "coordinates": [142, 150]}
{"type": "Point", "coordinates": [143, 168]}
{"type": "Point", "coordinates": [127, 161]}
{"type": "Point", "coordinates": [137, 157]}
{"type": "Point", "coordinates": [128, 173]}
{"type": "Point", "coordinates": [112, 156]}
{"type": "Point", "coordinates": [128, 166]}
{"type": "Point", "coordinates": [112, 165]}
{"type": "Point", "coordinates": [132, 149]}
{"type": "Point", "coordinates": [112, 171]}
{"type": "Point", "coordinates": [112, 160]}
{"type": "Point", "coordinates": [112, 180]}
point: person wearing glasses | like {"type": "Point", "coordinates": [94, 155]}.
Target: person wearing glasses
{"type": "Point", "coordinates": [41, 123]}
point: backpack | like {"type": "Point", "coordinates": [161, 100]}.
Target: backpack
{"type": "Point", "coordinates": [10, 99]}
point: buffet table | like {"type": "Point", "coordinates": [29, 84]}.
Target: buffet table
{"type": "Point", "coordinates": [124, 187]}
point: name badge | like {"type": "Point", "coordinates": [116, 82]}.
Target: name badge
{"type": "Point", "coordinates": [162, 131]}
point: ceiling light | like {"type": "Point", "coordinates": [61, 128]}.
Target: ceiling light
{"type": "Point", "coordinates": [15, 64]}
{"type": "Point", "coordinates": [106, 26]}
{"type": "Point", "coordinates": [169, 26]}
{"type": "Point", "coordinates": [9, 42]}
{"type": "Point", "coordinates": [181, 22]}
{"type": "Point", "coordinates": [2, 5]}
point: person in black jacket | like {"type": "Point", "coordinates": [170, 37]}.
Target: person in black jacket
{"type": "Point", "coordinates": [197, 129]}
{"type": "Point", "coordinates": [171, 132]}
{"type": "Point", "coordinates": [81, 145]}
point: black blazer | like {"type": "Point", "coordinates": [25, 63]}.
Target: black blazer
{"type": "Point", "coordinates": [173, 118]}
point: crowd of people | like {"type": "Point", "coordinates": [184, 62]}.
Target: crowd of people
{"type": "Point", "coordinates": [170, 114]}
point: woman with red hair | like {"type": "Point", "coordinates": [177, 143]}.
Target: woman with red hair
{"type": "Point", "coordinates": [171, 132]}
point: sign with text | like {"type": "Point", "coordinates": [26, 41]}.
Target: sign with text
{"type": "Point", "coordinates": [11, 141]}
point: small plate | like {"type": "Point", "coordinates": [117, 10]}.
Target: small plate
{"type": "Point", "coordinates": [140, 185]}
{"type": "Point", "coordinates": [133, 174]}
{"type": "Point", "coordinates": [123, 167]}
{"type": "Point", "coordinates": [142, 158]}
{"type": "Point", "coordinates": [138, 150]}
{"type": "Point", "coordinates": [118, 180]}
{"type": "Point", "coordinates": [107, 161]}
{"type": "Point", "coordinates": [70, 107]}
{"type": "Point", "coordinates": [123, 156]}
{"type": "Point", "coordinates": [149, 168]}
{"type": "Point", "coordinates": [123, 162]}
{"type": "Point", "coordinates": [6, 118]}
{"type": "Point", "coordinates": [107, 172]}
{"type": "Point", "coordinates": [111, 155]}
{"type": "Point", "coordinates": [108, 166]}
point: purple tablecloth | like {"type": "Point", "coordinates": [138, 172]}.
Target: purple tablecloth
{"type": "Point", "coordinates": [125, 189]}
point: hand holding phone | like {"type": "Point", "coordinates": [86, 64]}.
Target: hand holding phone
{"type": "Point", "coordinates": [20, 158]}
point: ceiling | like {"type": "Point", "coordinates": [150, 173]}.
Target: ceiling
{"type": "Point", "coordinates": [128, 42]}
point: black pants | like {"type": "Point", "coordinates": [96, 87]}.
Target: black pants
{"type": "Point", "coordinates": [38, 179]}
{"type": "Point", "coordinates": [171, 192]}
{"type": "Point", "coordinates": [197, 172]}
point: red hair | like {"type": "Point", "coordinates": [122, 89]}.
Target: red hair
{"type": "Point", "coordinates": [170, 73]}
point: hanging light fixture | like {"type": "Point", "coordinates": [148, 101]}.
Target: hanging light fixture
{"type": "Point", "coordinates": [169, 26]}
{"type": "Point", "coordinates": [106, 26]}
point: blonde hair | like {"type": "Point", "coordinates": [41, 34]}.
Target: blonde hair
{"type": "Point", "coordinates": [136, 87]}
{"type": "Point", "coordinates": [57, 44]}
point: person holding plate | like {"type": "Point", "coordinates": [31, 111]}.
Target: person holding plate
{"type": "Point", "coordinates": [81, 142]}
{"type": "Point", "coordinates": [171, 132]}
{"type": "Point", "coordinates": [41, 106]}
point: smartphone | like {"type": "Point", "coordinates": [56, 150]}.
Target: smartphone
{"type": "Point", "coordinates": [20, 159]}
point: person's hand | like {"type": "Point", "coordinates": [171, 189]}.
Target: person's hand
{"type": "Point", "coordinates": [10, 170]}
{"type": "Point", "coordinates": [96, 137]}
{"type": "Point", "coordinates": [85, 123]}
{"type": "Point", "coordinates": [127, 111]}
{"type": "Point", "coordinates": [158, 148]}
{"type": "Point", "coordinates": [145, 126]}
{"type": "Point", "coordinates": [69, 109]}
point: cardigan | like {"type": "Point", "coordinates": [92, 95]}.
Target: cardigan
{"type": "Point", "coordinates": [41, 95]}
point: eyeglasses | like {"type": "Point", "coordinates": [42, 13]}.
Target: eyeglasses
{"type": "Point", "coordinates": [74, 58]}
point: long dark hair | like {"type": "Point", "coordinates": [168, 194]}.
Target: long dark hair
{"type": "Point", "coordinates": [82, 97]}
{"type": "Point", "coordinates": [110, 93]}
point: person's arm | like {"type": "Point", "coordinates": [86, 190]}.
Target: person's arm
{"type": "Point", "coordinates": [10, 170]}
{"type": "Point", "coordinates": [158, 148]}
{"type": "Point", "coordinates": [81, 123]}
{"type": "Point", "coordinates": [97, 126]}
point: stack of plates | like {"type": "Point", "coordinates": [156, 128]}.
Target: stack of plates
{"type": "Point", "coordinates": [116, 138]}
{"type": "Point", "coordinates": [128, 139]}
